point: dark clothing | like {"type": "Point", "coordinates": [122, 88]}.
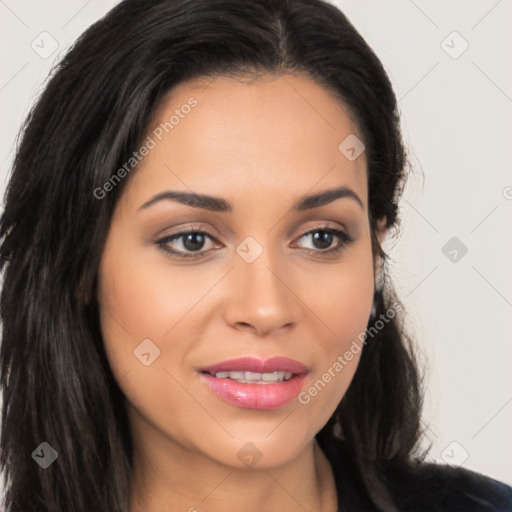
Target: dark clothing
{"type": "Point", "coordinates": [419, 487]}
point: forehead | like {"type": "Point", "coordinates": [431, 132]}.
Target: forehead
{"type": "Point", "coordinates": [279, 133]}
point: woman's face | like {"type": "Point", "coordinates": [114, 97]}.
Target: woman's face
{"type": "Point", "coordinates": [260, 278]}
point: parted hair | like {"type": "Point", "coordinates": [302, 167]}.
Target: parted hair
{"type": "Point", "coordinates": [94, 112]}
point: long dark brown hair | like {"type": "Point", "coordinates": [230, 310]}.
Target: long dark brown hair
{"type": "Point", "coordinates": [94, 112]}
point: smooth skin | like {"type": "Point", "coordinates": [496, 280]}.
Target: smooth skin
{"type": "Point", "coordinates": [260, 145]}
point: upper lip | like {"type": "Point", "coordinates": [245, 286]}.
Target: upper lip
{"type": "Point", "coordinates": [253, 364]}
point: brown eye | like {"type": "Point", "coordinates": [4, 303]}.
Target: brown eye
{"type": "Point", "coordinates": [323, 238]}
{"type": "Point", "coordinates": [187, 243]}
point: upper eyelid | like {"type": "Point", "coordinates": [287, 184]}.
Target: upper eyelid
{"type": "Point", "coordinates": [185, 231]}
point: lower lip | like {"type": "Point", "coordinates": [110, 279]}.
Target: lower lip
{"type": "Point", "coordinates": [256, 396]}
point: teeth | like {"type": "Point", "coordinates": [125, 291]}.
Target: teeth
{"type": "Point", "coordinates": [255, 377]}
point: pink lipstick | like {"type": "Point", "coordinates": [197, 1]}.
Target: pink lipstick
{"type": "Point", "coordinates": [253, 383]}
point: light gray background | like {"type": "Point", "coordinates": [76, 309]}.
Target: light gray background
{"type": "Point", "coordinates": [456, 116]}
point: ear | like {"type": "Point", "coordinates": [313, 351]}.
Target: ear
{"type": "Point", "coordinates": [382, 231]}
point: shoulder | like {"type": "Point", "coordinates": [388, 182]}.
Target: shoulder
{"type": "Point", "coordinates": [425, 487]}
{"type": "Point", "coordinates": [417, 486]}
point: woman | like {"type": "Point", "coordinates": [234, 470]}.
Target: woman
{"type": "Point", "coordinates": [196, 314]}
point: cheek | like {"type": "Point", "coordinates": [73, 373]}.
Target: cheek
{"type": "Point", "coordinates": [138, 307]}
{"type": "Point", "coordinates": [140, 295]}
{"type": "Point", "coordinates": [129, 314]}
{"type": "Point", "coordinates": [343, 302]}
{"type": "Point", "coordinates": [346, 295]}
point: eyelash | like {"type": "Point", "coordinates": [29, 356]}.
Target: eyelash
{"type": "Point", "coordinates": [344, 240]}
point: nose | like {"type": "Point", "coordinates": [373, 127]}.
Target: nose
{"type": "Point", "coordinates": [261, 297]}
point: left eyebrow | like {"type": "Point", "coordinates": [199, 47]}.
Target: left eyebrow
{"type": "Point", "coordinates": [217, 204]}
{"type": "Point", "coordinates": [326, 197]}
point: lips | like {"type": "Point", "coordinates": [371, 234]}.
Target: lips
{"type": "Point", "coordinates": [253, 394]}
{"type": "Point", "coordinates": [252, 364]}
